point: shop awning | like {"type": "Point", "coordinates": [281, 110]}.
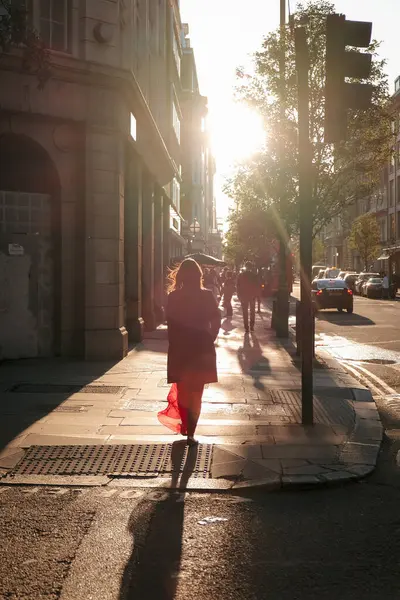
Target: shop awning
{"type": "Point", "coordinates": [384, 256]}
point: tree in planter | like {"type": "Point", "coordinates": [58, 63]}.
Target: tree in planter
{"type": "Point", "coordinates": [365, 238]}
{"type": "Point", "coordinates": [341, 173]}
{"type": "Point", "coordinates": [16, 32]}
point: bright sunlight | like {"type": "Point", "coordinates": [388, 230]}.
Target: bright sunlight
{"type": "Point", "coordinates": [236, 131]}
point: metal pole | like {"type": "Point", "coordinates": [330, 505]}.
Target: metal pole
{"type": "Point", "coordinates": [306, 227]}
{"type": "Point", "coordinates": [282, 316]}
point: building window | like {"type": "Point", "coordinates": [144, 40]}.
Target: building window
{"type": "Point", "coordinates": [177, 56]}
{"type": "Point", "coordinates": [52, 19]}
{"type": "Point", "coordinates": [383, 230]}
{"type": "Point", "coordinates": [176, 122]}
{"type": "Point", "coordinates": [176, 194]}
{"type": "Point", "coordinates": [392, 225]}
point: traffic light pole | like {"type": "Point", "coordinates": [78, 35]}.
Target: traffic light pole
{"type": "Point", "coordinates": [282, 304]}
{"type": "Point", "coordinates": [306, 227]}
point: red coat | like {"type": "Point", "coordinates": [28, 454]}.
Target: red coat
{"type": "Point", "coordinates": [193, 324]}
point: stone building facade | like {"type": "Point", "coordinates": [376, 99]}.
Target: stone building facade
{"type": "Point", "coordinates": [384, 203]}
{"type": "Point", "coordinates": [90, 173]}
{"type": "Point", "coordinates": [198, 163]}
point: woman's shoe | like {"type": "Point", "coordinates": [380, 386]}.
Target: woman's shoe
{"type": "Point", "coordinates": [192, 442]}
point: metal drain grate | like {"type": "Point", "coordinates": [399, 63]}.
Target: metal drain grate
{"type": "Point", "coordinates": [202, 466]}
{"type": "Point", "coordinates": [102, 389]}
{"type": "Point", "coordinates": [61, 388]}
{"type": "Point", "coordinates": [123, 460]}
{"type": "Point", "coordinates": [45, 388]}
{"type": "Point", "coordinates": [143, 459]}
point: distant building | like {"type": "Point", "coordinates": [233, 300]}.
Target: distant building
{"type": "Point", "coordinates": [384, 203]}
{"type": "Point", "coordinates": [90, 178]}
{"type": "Point", "coordinates": [198, 164]}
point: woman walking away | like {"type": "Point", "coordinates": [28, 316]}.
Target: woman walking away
{"type": "Point", "coordinates": [193, 324]}
{"type": "Point", "coordinates": [228, 289]}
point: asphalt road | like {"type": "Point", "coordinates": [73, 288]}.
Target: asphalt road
{"type": "Point", "coordinates": [370, 336]}
{"type": "Point", "coordinates": [125, 544]}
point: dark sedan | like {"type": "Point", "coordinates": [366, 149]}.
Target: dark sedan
{"type": "Point", "coordinates": [350, 279]}
{"type": "Point", "coordinates": [332, 293]}
{"type": "Point", "coordinates": [372, 288]}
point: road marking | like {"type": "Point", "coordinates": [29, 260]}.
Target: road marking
{"type": "Point", "coordinates": [352, 370]}
{"type": "Point", "coordinates": [383, 342]}
{"type": "Point", "coordinates": [368, 375]}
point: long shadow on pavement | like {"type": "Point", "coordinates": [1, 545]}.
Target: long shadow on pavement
{"type": "Point", "coordinates": [152, 570]}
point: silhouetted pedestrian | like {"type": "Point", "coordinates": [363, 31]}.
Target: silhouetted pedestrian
{"type": "Point", "coordinates": [248, 290]}
{"type": "Point", "coordinates": [228, 289]}
{"type": "Point", "coordinates": [193, 324]}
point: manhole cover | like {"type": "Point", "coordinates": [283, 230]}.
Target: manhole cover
{"type": "Point", "coordinates": [119, 460]}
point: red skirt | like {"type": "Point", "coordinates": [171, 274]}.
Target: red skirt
{"type": "Point", "coordinates": [171, 416]}
{"type": "Point", "coordinates": [175, 416]}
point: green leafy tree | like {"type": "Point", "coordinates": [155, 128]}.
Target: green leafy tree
{"type": "Point", "coordinates": [318, 250]}
{"type": "Point", "coordinates": [251, 236]}
{"type": "Point", "coordinates": [341, 173]}
{"type": "Point", "coordinates": [365, 238]}
{"type": "Point", "coordinates": [19, 38]}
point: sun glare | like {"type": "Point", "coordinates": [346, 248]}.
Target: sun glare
{"type": "Point", "coordinates": [237, 132]}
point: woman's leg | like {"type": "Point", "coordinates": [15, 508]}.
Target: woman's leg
{"type": "Point", "coordinates": [189, 402]}
{"type": "Point", "coordinates": [194, 410]}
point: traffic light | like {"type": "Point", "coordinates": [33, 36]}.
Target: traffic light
{"type": "Point", "coordinates": [342, 63]}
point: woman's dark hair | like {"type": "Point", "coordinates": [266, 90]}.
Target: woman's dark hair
{"type": "Point", "coordinates": [187, 274]}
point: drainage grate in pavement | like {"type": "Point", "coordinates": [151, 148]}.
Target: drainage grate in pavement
{"type": "Point", "coordinates": [120, 460]}
{"type": "Point", "coordinates": [44, 388]}
{"type": "Point", "coordinates": [143, 459]}
{"type": "Point", "coordinates": [71, 409]}
{"type": "Point", "coordinates": [327, 410]}
{"type": "Point", "coordinates": [64, 388]}
{"type": "Point", "coordinates": [102, 389]}
{"type": "Point", "coordinates": [202, 465]}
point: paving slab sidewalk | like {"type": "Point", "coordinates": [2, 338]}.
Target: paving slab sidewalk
{"type": "Point", "coordinates": [250, 426]}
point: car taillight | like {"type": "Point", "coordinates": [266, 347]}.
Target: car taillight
{"type": "Point", "coordinates": [319, 293]}
{"type": "Point", "coordinates": [350, 292]}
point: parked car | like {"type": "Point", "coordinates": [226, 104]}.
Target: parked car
{"type": "Point", "coordinates": [363, 277]}
{"type": "Point", "coordinates": [350, 279]}
{"type": "Point", "coordinates": [331, 273]}
{"type": "Point", "coordinates": [372, 288]}
{"type": "Point", "coordinates": [332, 293]}
{"type": "Point", "coordinates": [316, 269]}
{"type": "Point", "coordinates": [342, 274]}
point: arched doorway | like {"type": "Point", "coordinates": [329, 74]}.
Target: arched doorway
{"type": "Point", "coordinates": [29, 240]}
